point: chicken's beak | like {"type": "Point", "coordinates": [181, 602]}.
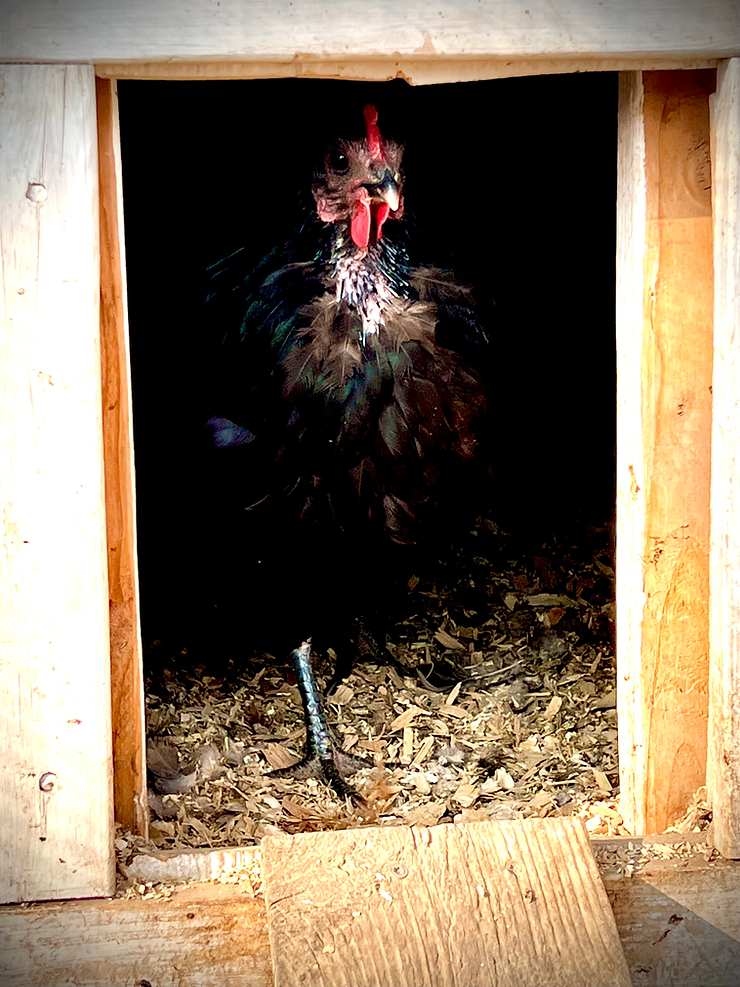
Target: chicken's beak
{"type": "Point", "coordinates": [374, 204]}
{"type": "Point", "coordinates": [387, 191]}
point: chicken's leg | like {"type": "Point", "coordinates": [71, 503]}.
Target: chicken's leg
{"type": "Point", "coordinates": [324, 758]}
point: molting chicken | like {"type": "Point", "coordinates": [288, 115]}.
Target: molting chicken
{"type": "Point", "coordinates": [347, 418]}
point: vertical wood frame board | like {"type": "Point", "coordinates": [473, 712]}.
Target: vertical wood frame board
{"type": "Point", "coordinates": [724, 679]}
{"type": "Point", "coordinates": [631, 219]}
{"type": "Point", "coordinates": [127, 677]}
{"type": "Point", "coordinates": [664, 336]}
{"type": "Point", "coordinates": [55, 773]}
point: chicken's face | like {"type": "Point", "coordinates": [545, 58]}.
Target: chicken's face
{"type": "Point", "coordinates": [361, 183]}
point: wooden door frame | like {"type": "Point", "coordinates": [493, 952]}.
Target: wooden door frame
{"type": "Point", "coordinates": [650, 766]}
{"type": "Point", "coordinates": [78, 612]}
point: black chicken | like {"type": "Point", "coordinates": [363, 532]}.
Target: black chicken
{"type": "Point", "coordinates": [347, 417]}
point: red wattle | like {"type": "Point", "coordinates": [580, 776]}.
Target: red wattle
{"type": "Point", "coordinates": [381, 214]}
{"type": "Point", "coordinates": [360, 225]}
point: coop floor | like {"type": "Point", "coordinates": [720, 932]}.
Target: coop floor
{"type": "Point", "coordinates": [507, 709]}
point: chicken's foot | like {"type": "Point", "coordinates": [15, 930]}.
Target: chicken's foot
{"type": "Point", "coordinates": [324, 759]}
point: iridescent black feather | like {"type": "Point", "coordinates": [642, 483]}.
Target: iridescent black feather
{"type": "Point", "coordinates": [348, 407]}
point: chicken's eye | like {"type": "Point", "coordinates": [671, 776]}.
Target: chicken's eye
{"type": "Point", "coordinates": [338, 161]}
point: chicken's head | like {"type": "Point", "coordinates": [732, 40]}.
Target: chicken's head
{"type": "Point", "coordinates": [361, 183]}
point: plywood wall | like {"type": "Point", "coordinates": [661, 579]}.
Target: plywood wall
{"type": "Point", "coordinates": [55, 769]}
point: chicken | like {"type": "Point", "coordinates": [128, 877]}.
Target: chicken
{"type": "Point", "coordinates": [348, 412]}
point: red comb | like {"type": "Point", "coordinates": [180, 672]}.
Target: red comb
{"type": "Point", "coordinates": [374, 140]}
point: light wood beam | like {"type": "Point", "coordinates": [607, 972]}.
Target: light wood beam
{"type": "Point", "coordinates": [664, 341]}
{"type": "Point", "coordinates": [724, 678]}
{"type": "Point", "coordinates": [306, 30]}
{"type": "Point", "coordinates": [127, 688]}
{"type": "Point", "coordinates": [56, 815]}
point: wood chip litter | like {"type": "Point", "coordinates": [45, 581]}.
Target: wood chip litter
{"type": "Point", "coordinates": [502, 706]}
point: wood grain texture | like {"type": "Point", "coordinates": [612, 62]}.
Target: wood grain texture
{"type": "Point", "coordinates": [506, 903]}
{"type": "Point", "coordinates": [204, 936]}
{"type": "Point", "coordinates": [416, 71]}
{"type": "Point", "coordinates": [55, 771]}
{"type": "Point", "coordinates": [631, 232]}
{"type": "Point", "coordinates": [170, 866]}
{"type": "Point", "coordinates": [677, 414]}
{"type": "Point", "coordinates": [665, 489]}
{"type": "Point", "coordinates": [679, 923]}
{"type": "Point", "coordinates": [127, 679]}
{"type": "Point", "coordinates": [724, 759]}
{"type": "Point", "coordinates": [155, 30]}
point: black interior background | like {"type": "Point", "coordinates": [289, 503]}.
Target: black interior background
{"type": "Point", "coordinates": [516, 177]}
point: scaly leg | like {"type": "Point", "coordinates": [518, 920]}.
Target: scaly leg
{"type": "Point", "coordinates": [324, 758]}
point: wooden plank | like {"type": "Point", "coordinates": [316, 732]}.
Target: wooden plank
{"type": "Point", "coordinates": [198, 936]}
{"type": "Point", "coordinates": [664, 338]}
{"type": "Point", "coordinates": [677, 388]}
{"type": "Point", "coordinates": [170, 866]}
{"type": "Point", "coordinates": [127, 679]}
{"type": "Point", "coordinates": [631, 234]}
{"type": "Point", "coordinates": [679, 923]}
{"type": "Point", "coordinates": [55, 772]}
{"type": "Point", "coordinates": [155, 30]}
{"type": "Point", "coordinates": [474, 904]}
{"type": "Point", "coordinates": [724, 681]}
{"type": "Point", "coordinates": [419, 72]}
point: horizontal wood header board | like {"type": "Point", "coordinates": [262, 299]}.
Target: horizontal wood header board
{"type": "Point", "coordinates": [201, 30]}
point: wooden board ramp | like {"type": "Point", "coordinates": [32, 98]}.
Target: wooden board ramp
{"type": "Point", "coordinates": [490, 904]}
